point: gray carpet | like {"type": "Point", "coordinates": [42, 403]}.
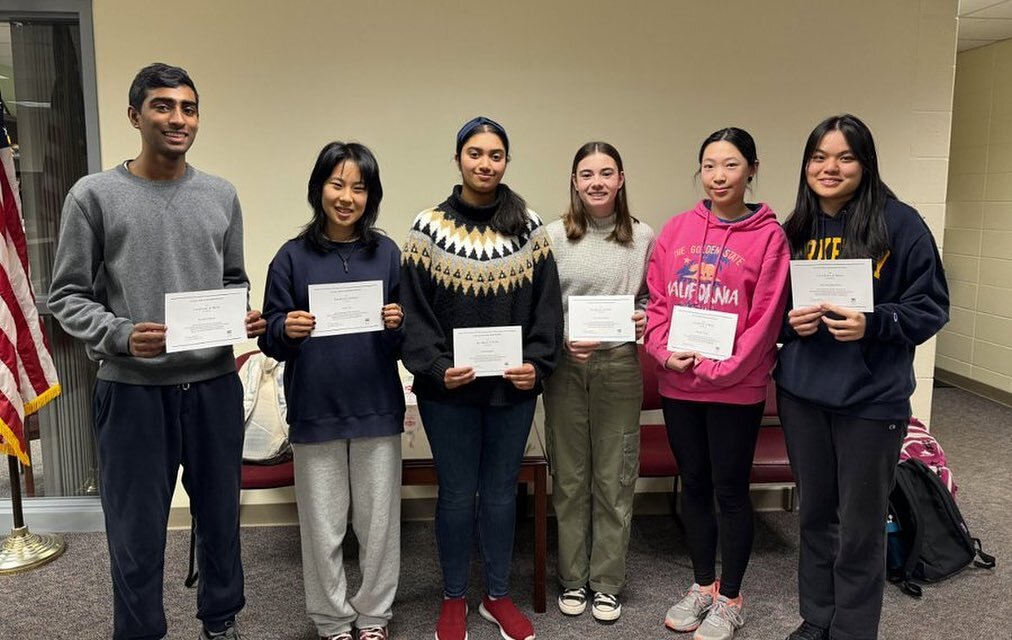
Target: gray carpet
{"type": "Point", "coordinates": [71, 597]}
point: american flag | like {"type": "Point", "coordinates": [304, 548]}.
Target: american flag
{"type": "Point", "coordinates": [27, 376]}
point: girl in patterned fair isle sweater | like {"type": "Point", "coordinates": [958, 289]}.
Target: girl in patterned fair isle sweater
{"type": "Point", "coordinates": [479, 259]}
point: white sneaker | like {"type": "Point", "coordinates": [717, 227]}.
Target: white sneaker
{"type": "Point", "coordinates": [724, 618]}
{"type": "Point", "coordinates": [688, 613]}
{"type": "Point", "coordinates": [573, 602]}
{"type": "Point", "coordinates": [606, 608]}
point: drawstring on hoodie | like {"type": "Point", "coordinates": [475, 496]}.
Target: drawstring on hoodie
{"type": "Point", "coordinates": [708, 303]}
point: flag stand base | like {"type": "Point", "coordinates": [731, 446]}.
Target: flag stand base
{"type": "Point", "coordinates": [24, 551]}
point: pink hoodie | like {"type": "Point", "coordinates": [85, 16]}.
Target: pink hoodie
{"type": "Point", "coordinates": [740, 267]}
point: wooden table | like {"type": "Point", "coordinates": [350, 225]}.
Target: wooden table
{"type": "Point", "coordinates": [533, 470]}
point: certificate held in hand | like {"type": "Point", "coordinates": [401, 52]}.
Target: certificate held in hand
{"type": "Point", "coordinates": [845, 283]}
{"type": "Point", "coordinates": [601, 318]}
{"type": "Point", "coordinates": [489, 350]}
{"type": "Point", "coordinates": [708, 333]}
{"type": "Point", "coordinates": [346, 307]}
{"type": "Point", "coordinates": [202, 319]}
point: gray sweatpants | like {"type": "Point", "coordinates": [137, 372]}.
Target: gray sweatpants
{"type": "Point", "coordinates": [365, 475]}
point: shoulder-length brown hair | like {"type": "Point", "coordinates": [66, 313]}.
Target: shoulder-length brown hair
{"type": "Point", "coordinates": [575, 219]}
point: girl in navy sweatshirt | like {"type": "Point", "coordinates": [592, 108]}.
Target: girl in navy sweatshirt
{"type": "Point", "coordinates": [345, 400]}
{"type": "Point", "coordinates": [845, 377]}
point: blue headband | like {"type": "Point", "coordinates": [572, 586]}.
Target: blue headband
{"type": "Point", "coordinates": [471, 125]}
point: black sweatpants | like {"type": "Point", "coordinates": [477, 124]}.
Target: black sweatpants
{"type": "Point", "coordinates": [844, 468]}
{"type": "Point", "coordinates": [714, 444]}
{"type": "Point", "coordinates": [144, 433]}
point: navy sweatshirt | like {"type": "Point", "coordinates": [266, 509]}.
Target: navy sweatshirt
{"type": "Point", "coordinates": [873, 377]}
{"type": "Point", "coordinates": [458, 272]}
{"type": "Point", "coordinates": [344, 386]}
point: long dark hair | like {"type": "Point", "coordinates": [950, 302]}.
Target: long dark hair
{"type": "Point", "coordinates": [511, 217]}
{"type": "Point", "coordinates": [330, 156]}
{"type": "Point", "coordinates": [575, 219]}
{"type": "Point", "coordinates": [864, 230]}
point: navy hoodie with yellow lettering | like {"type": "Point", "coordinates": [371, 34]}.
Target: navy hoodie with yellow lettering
{"type": "Point", "coordinates": [872, 377]}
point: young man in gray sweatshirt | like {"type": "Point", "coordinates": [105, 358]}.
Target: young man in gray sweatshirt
{"type": "Point", "coordinates": [150, 226]}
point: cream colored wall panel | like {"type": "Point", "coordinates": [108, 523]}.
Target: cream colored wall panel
{"type": "Point", "coordinates": [954, 345]}
{"type": "Point", "coordinates": [995, 272]}
{"type": "Point", "coordinates": [970, 106]}
{"type": "Point", "coordinates": [962, 294]}
{"type": "Point", "coordinates": [961, 321]}
{"type": "Point", "coordinates": [932, 89]}
{"type": "Point", "coordinates": [934, 216]}
{"type": "Point", "coordinates": [930, 179]}
{"type": "Point", "coordinates": [974, 70]}
{"type": "Point", "coordinates": [960, 267]}
{"type": "Point", "coordinates": [995, 300]}
{"type": "Point", "coordinates": [999, 158]}
{"type": "Point", "coordinates": [924, 359]}
{"type": "Point", "coordinates": [963, 241]}
{"type": "Point", "coordinates": [952, 365]}
{"type": "Point", "coordinates": [998, 186]}
{"type": "Point", "coordinates": [967, 159]}
{"type": "Point", "coordinates": [963, 215]}
{"type": "Point", "coordinates": [967, 187]}
{"type": "Point", "coordinates": [994, 357]}
{"type": "Point", "coordinates": [996, 244]}
{"type": "Point", "coordinates": [932, 137]}
{"type": "Point", "coordinates": [1001, 104]}
{"type": "Point", "coordinates": [996, 216]}
{"type": "Point", "coordinates": [971, 132]}
{"type": "Point", "coordinates": [994, 329]}
{"type": "Point", "coordinates": [991, 378]}
{"type": "Point", "coordinates": [920, 402]}
{"type": "Point", "coordinates": [1000, 131]}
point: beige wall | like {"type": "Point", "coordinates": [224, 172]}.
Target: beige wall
{"type": "Point", "coordinates": [977, 344]}
{"type": "Point", "coordinates": [279, 79]}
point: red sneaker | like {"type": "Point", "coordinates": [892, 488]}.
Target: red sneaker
{"type": "Point", "coordinates": [452, 623]}
{"type": "Point", "coordinates": [513, 624]}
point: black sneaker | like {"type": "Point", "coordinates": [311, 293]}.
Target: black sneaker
{"type": "Point", "coordinates": [809, 631]}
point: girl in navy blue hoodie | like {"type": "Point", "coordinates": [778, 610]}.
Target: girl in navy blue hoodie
{"type": "Point", "coordinates": [845, 377]}
{"type": "Point", "coordinates": [345, 400]}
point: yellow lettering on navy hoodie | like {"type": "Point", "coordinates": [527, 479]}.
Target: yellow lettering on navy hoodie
{"type": "Point", "coordinates": [873, 377]}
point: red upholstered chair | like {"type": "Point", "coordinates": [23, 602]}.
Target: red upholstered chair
{"type": "Point", "coordinates": [656, 459]}
{"type": "Point", "coordinates": [254, 476]}
{"type": "Point", "coordinates": [770, 464]}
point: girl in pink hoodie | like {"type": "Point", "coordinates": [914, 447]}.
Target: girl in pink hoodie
{"type": "Point", "coordinates": [728, 256]}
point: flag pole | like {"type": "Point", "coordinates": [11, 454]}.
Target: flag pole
{"type": "Point", "coordinates": [23, 550]}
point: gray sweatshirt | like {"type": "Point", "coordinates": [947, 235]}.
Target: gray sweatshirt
{"type": "Point", "coordinates": [124, 243]}
{"type": "Point", "coordinates": [595, 266]}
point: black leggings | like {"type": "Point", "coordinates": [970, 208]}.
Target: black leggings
{"type": "Point", "coordinates": [714, 444]}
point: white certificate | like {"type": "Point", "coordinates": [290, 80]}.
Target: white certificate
{"type": "Point", "coordinates": [709, 333]}
{"type": "Point", "coordinates": [346, 307]}
{"type": "Point", "coordinates": [846, 283]}
{"type": "Point", "coordinates": [490, 350]}
{"type": "Point", "coordinates": [201, 319]}
{"type": "Point", "coordinates": [601, 318]}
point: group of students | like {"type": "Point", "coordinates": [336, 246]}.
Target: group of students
{"type": "Point", "coordinates": [483, 258]}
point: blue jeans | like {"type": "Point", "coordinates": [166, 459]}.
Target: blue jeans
{"type": "Point", "coordinates": [477, 450]}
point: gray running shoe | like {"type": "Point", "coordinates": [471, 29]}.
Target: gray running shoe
{"type": "Point", "coordinates": [688, 613]}
{"type": "Point", "coordinates": [724, 618]}
{"type": "Point", "coordinates": [230, 633]}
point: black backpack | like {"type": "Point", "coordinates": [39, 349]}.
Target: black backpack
{"type": "Point", "coordinates": [932, 536]}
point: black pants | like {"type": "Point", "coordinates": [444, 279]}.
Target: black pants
{"type": "Point", "coordinates": [714, 445]}
{"type": "Point", "coordinates": [144, 433]}
{"type": "Point", "coordinates": [844, 468]}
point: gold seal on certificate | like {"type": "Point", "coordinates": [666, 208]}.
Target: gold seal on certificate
{"type": "Point", "coordinates": [846, 283]}
{"type": "Point", "coordinates": [601, 318]}
{"type": "Point", "coordinates": [709, 333]}
{"type": "Point", "coordinates": [346, 307]}
{"type": "Point", "coordinates": [489, 350]}
{"type": "Point", "coordinates": [202, 319]}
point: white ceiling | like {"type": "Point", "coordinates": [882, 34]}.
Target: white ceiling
{"type": "Point", "coordinates": [982, 22]}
